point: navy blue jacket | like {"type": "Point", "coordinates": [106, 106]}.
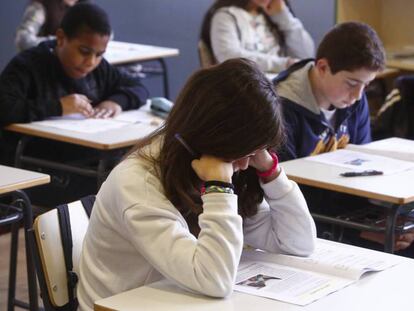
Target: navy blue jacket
{"type": "Point", "coordinates": [304, 128]}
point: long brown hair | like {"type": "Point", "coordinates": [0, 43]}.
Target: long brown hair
{"type": "Point", "coordinates": [228, 111]}
{"type": "Point", "coordinates": [218, 4]}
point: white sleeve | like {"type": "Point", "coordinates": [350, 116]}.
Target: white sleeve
{"type": "Point", "coordinates": [299, 43]}
{"type": "Point", "coordinates": [207, 264]}
{"type": "Point", "coordinates": [27, 33]}
{"type": "Point", "coordinates": [287, 226]}
{"type": "Point", "coordinates": [226, 44]}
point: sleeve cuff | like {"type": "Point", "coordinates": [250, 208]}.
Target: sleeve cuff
{"type": "Point", "coordinates": [278, 187]}
{"type": "Point", "coordinates": [284, 17]}
{"type": "Point", "coordinates": [121, 99]}
{"type": "Point", "coordinates": [54, 109]}
{"type": "Point", "coordinates": [220, 203]}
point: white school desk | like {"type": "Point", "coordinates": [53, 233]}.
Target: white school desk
{"type": "Point", "coordinates": [122, 53]}
{"type": "Point", "coordinates": [12, 180]}
{"type": "Point", "coordinates": [105, 142]}
{"type": "Point", "coordinates": [396, 189]}
{"type": "Point", "coordinates": [387, 290]}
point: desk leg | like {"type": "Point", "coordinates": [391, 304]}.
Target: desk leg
{"type": "Point", "coordinates": [25, 204]}
{"type": "Point", "coordinates": [21, 145]}
{"type": "Point", "coordinates": [392, 214]}
{"type": "Point", "coordinates": [102, 169]}
{"type": "Point", "coordinates": [164, 77]}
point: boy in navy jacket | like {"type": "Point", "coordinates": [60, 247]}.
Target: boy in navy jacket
{"type": "Point", "coordinates": [325, 107]}
{"type": "Point", "coordinates": [323, 100]}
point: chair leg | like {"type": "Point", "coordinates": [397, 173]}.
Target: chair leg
{"type": "Point", "coordinates": [13, 266]}
{"type": "Point", "coordinates": [24, 203]}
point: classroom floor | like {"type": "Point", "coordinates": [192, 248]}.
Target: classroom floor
{"type": "Point", "coordinates": [21, 283]}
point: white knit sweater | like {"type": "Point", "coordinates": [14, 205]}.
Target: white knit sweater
{"type": "Point", "coordinates": [136, 236]}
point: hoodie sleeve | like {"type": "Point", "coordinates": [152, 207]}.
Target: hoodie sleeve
{"type": "Point", "coordinates": [290, 149]}
{"type": "Point", "coordinates": [27, 33]}
{"type": "Point", "coordinates": [285, 226]}
{"type": "Point", "coordinates": [19, 100]}
{"type": "Point", "coordinates": [207, 264]}
{"type": "Point", "coordinates": [363, 126]}
{"type": "Point", "coordinates": [299, 43]}
{"type": "Point", "coordinates": [125, 90]}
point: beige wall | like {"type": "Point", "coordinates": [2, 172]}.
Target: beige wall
{"type": "Point", "coordinates": [392, 19]}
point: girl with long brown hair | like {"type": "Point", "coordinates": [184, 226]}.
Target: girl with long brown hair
{"type": "Point", "coordinates": [183, 203]}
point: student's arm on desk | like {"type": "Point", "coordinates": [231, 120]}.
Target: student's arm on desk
{"type": "Point", "coordinates": [363, 132]}
{"type": "Point", "coordinates": [206, 264]}
{"type": "Point", "coordinates": [299, 43]}
{"type": "Point", "coordinates": [16, 104]}
{"type": "Point", "coordinates": [127, 91]}
{"type": "Point", "coordinates": [287, 227]}
{"type": "Point", "coordinates": [289, 150]}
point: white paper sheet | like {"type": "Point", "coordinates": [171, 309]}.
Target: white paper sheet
{"type": "Point", "coordinates": [359, 161]}
{"type": "Point", "coordinates": [397, 148]}
{"type": "Point", "coordinates": [139, 116]}
{"type": "Point", "coordinates": [84, 126]}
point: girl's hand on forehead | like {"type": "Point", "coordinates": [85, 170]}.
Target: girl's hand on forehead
{"type": "Point", "coordinates": [275, 7]}
{"type": "Point", "coordinates": [261, 160]}
{"type": "Point", "coordinates": [212, 168]}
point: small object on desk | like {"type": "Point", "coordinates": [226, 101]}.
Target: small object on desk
{"type": "Point", "coordinates": [363, 173]}
{"type": "Point", "coordinates": [161, 106]}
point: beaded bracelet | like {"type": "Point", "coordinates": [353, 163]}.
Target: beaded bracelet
{"type": "Point", "coordinates": [272, 169]}
{"type": "Point", "coordinates": [216, 189]}
{"type": "Point", "coordinates": [217, 186]}
{"type": "Point", "coordinates": [218, 183]}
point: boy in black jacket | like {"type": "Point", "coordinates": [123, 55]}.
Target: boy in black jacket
{"type": "Point", "coordinates": [64, 76]}
{"type": "Point", "coordinates": [68, 75]}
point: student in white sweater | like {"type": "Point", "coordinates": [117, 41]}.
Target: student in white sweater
{"type": "Point", "coordinates": [40, 21]}
{"type": "Point", "coordinates": [264, 31]}
{"type": "Point", "coordinates": [185, 201]}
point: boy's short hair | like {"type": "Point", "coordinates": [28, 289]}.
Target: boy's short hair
{"type": "Point", "coordinates": [85, 17]}
{"type": "Point", "coordinates": [351, 46]}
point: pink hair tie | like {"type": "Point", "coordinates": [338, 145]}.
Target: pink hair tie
{"type": "Point", "coordinates": [271, 170]}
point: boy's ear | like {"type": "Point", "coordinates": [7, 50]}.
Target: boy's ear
{"type": "Point", "coordinates": [322, 66]}
{"type": "Point", "coordinates": [60, 36]}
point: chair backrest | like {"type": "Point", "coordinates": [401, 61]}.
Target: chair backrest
{"type": "Point", "coordinates": [49, 252]}
{"type": "Point", "coordinates": [205, 55]}
{"type": "Point", "coordinates": [406, 86]}
{"type": "Point", "coordinates": [396, 116]}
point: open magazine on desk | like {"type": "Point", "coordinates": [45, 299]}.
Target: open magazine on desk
{"type": "Point", "coordinates": [302, 280]}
